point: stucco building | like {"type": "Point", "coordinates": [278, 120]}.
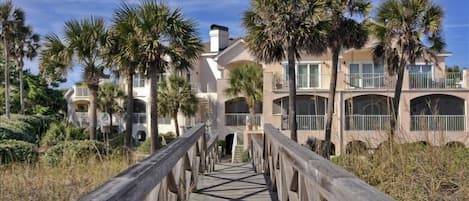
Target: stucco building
{"type": "Point", "coordinates": [433, 105]}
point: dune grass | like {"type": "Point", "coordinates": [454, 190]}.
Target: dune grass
{"type": "Point", "coordinates": [68, 181]}
{"type": "Point", "coordinates": [413, 171]}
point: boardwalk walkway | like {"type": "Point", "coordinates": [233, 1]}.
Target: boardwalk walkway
{"type": "Point", "coordinates": [233, 182]}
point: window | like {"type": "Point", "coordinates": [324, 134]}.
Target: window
{"type": "Point", "coordinates": [420, 69]}
{"type": "Point", "coordinates": [307, 75]}
{"type": "Point", "coordinates": [82, 108]}
{"type": "Point", "coordinates": [366, 75]}
{"type": "Point", "coordinates": [139, 80]}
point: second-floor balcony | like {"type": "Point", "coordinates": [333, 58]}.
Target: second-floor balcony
{"type": "Point", "coordinates": [370, 81]}
{"type": "Point", "coordinates": [241, 119]}
{"type": "Point", "coordinates": [81, 91]}
{"type": "Point", "coordinates": [303, 82]}
{"type": "Point", "coordinates": [429, 81]}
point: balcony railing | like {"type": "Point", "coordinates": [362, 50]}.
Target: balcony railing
{"type": "Point", "coordinates": [370, 80]}
{"type": "Point", "coordinates": [438, 122]}
{"type": "Point", "coordinates": [427, 81]}
{"type": "Point", "coordinates": [305, 122]}
{"type": "Point", "coordinates": [240, 119]}
{"type": "Point", "coordinates": [367, 122]}
{"type": "Point", "coordinates": [82, 118]}
{"type": "Point", "coordinates": [303, 82]}
{"type": "Point", "coordinates": [82, 92]}
{"type": "Point", "coordinates": [139, 118]}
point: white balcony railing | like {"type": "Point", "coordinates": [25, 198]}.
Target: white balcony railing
{"type": "Point", "coordinates": [305, 122]}
{"type": "Point", "coordinates": [367, 122]}
{"type": "Point", "coordinates": [427, 81]}
{"type": "Point", "coordinates": [240, 119]}
{"type": "Point", "coordinates": [82, 118]}
{"type": "Point", "coordinates": [303, 82]}
{"type": "Point", "coordinates": [438, 122]}
{"type": "Point", "coordinates": [82, 92]}
{"type": "Point", "coordinates": [139, 118]}
{"type": "Point", "coordinates": [370, 80]}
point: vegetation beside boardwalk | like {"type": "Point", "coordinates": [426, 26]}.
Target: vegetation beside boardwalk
{"type": "Point", "coordinates": [413, 171]}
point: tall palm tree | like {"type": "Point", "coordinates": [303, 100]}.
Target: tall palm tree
{"type": "Point", "coordinates": [26, 45]}
{"type": "Point", "coordinates": [124, 52]}
{"type": "Point", "coordinates": [344, 33]}
{"type": "Point", "coordinates": [283, 29]}
{"type": "Point", "coordinates": [247, 80]}
{"type": "Point", "coordinates": [108, 97]}
{"type": "Point", "coordinates": [165, 38]}
{"type": "Point", "coordinates": [9, 18]}
{"type": "Point", "coordinates": [83, 45]}
{"type": "Point", "coordinates": [407, 30]}
{"type": "Point", "coordinates": [176, 96]}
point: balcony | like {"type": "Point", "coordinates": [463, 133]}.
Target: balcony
{"type": "Point", "coordinates": [428, 81]}
{"type": "Point", "coordinates": [438, 123]}
{"type": "Point", "coordinates": [139, 118]}
{"type": "Point", "coordinates": [367, 122]}
{"type": "Point", "coordinates": [82, 119]}
{"type": "Point", "coordinates": [81, 91]}
{"type": "Point", "coordinates": [370, 81]}
{"type": "Point", "coordinates": [303, 82]}
{"type": "Point", "coordinates": [240, 119]}
{"type": "Point", "coordinates": [305, 122]}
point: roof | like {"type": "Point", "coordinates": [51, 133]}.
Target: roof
{"type": "Point", "coordinates": [206, 45]}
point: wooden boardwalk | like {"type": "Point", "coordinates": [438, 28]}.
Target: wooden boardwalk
{"type": "Point", "coordinates": [234, 182]}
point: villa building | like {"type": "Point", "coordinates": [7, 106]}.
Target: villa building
{"type": "Point", "coordinates": [433, 105]}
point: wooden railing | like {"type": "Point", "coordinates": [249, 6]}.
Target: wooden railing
{"type": "Point", "coordinates": [299, 174]}
{"type": "Point", "coordinates": [170, 174]}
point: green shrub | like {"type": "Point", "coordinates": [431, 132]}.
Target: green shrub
{"type": "Point", "coordinates": [24, 128]}
{"type": "Point", "coordinates": [75, 151]}
{"type": "Point", "coordinates": [59, 132]}
{"type": "Point", "coordinates": [245, 156]}
{"type": "Point", "coordinates": [119, 141]}
{"type": "Point", "coordinates": [165, 139]}
{"type": "Point", "coordinates": [17, 151]}
{"type": "Point", "coordinates": [145, 147]}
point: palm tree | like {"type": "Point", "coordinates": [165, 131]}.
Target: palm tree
{"type": "Point", "coordinates": [283, 29]}
{"type": "Point", "coordinates": [176, 96]}
{"type": "Point", "coordinates": [108, 96]}
{"type": "Point", "coordinates": [165, 37]}
{"type": "Point", "coordinates": [9, 18]}
{"type": "Point", "coordinates": [124, 52]}
{"type": "Point", "coordinates": [407, 30]}
{"type": "Point", "coordinates": [247, 81]}
{"type": "Point", "coordinates": [84, 45]}
{"type": "Point", "coordinates": [26, 45]}
{"type": "Point", "coordinates": [344, 33]}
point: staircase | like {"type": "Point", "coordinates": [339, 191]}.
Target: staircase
{"type": "Point", "coordinates": [237, 152]}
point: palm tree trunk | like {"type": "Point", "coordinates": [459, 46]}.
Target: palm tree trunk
{"type": "Point", "coordinates": [110, 129]}
{"type": "Point", "coordinates": [176, 124]}
{"type": "Point", "coordinates": [396, 101]}
{"type": "Point", "coordinates": [292, 93]}
{"type": "Point", "coordinates": [130, 110]}
{"type": "Point", "coordinates": [20, 69]}
{"type": "Point", "coordinates": [252, 118]}
{"type": "Point", "coordinates": [330, 103]}
{"type": "Point", "coordinates": [7, 77]}
{"type": "Point", "coordinates": [92, 110]}
{"type": "Point", "coordinates": [154, 107]}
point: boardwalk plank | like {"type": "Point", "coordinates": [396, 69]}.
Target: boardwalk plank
{"type": "Point", "coordinates": [233, 182]}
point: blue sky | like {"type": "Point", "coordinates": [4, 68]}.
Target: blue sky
{"type": "Point", "coordinates": [49, 16]}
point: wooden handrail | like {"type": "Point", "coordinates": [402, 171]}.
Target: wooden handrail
{"type": "Point", "coordinates": [170, 174]}
{"type": "Point", "coordinates": [300, 174]}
